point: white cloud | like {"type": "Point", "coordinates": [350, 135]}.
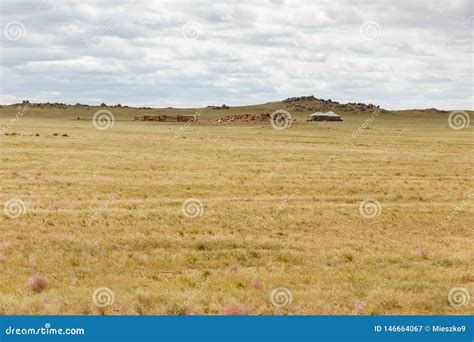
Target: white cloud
{"type": "Point", "coordinates": [244, 52]}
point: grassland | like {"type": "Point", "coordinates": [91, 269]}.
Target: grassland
{"type": "Point", "coordinates": [280, 209]}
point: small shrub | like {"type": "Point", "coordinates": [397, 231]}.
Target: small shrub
{"type": "Point", "coordinates": [38, 282]}
{"type": "Point", "coordinates": [237, 310]}
{"type": "Point", "coordinates": [257, 285]}
{"type": "Point", "coordinates": [191, 312]}
{"type": "Point", "coordinates": [348, 256]}
{"type": "Point", "coordinates": [422, 253]}
{"type": "Point", "coordinates": [201, 246]}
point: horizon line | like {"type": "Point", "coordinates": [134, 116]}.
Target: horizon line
{"type": "Point", "coordinates": [119, 105]}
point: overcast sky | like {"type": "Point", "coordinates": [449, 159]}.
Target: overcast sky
{"type": "Point", "coordinates": [399, 54]}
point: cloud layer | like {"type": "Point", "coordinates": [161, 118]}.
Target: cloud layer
{"type": "Point", "coordinates": [404, 54]}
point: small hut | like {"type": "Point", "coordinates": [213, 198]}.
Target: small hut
{"type": "Point", "coordinates": [327, 116]}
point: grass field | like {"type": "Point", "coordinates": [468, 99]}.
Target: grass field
{"type": "Point", "coordinates": [280, 209]}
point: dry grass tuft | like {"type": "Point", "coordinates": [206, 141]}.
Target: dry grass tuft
{"type": "Point", "coordinates": [38, 282]}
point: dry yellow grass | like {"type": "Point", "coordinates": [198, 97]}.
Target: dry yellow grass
{"type": "Point", "coordinates": [280, 209]}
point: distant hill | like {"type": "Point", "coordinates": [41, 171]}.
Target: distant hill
{"type": "Point", "coordinates": [299, 107]}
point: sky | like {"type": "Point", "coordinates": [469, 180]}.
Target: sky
{"type": "Point", "coordinates": [397, 54]}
